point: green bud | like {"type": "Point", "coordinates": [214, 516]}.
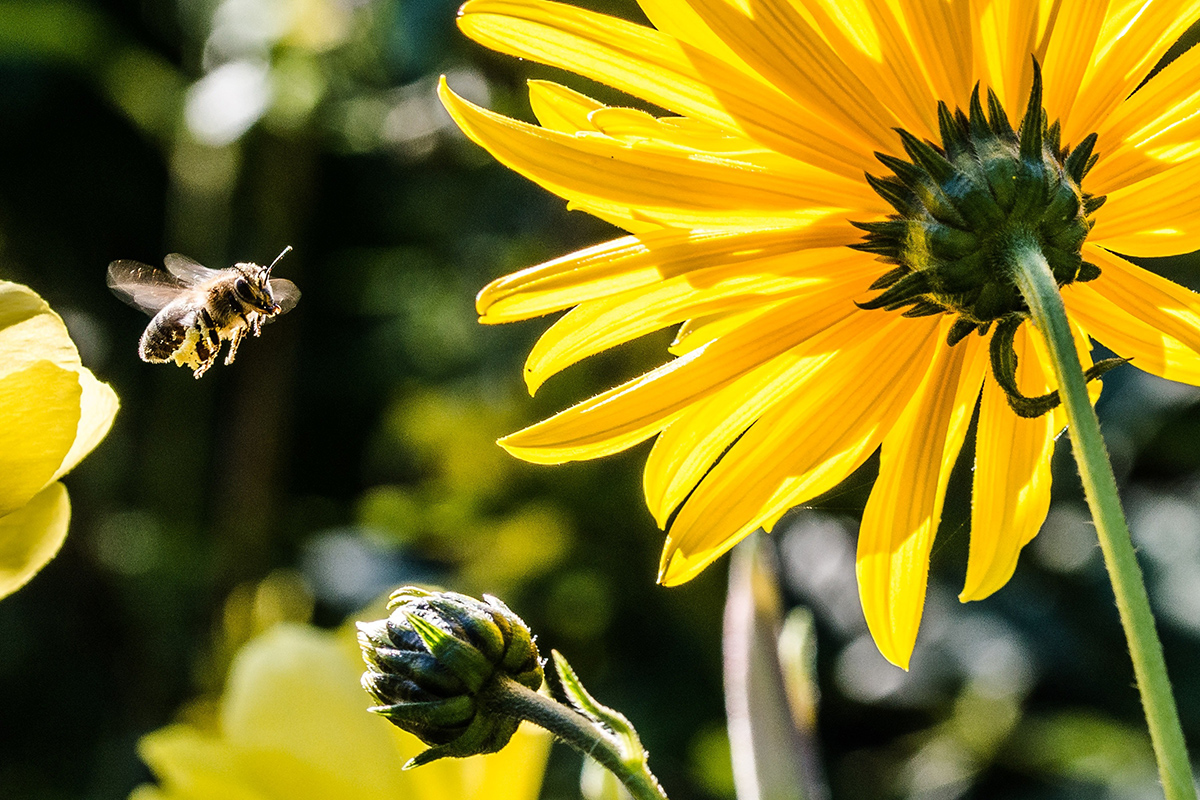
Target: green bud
{"type": "Point", "coordinates": [431, 662]}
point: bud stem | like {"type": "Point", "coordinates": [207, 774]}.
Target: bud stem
{"type": "Point", "coordinates": [505, 696]}
{"type": "Point", "coordinates": [1036, 283]}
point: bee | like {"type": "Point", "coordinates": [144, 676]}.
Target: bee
{"type": "Point", "coordinates": [195, 308]}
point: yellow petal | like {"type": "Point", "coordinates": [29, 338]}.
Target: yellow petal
{"type": "Point", "coordinates": [807, 444]}
{"type": "Point", "coordinates": [1069, 52]}
{"type": "Point", "coordinates": [98, 406]}
{"type": "Point", "coordinates": [633, 412]}
{"type": "Point", "coordinates": [678, 19]}
{"type": "Point", "coordinates": [779, 44]}
{"type": "Point", "coordinates": [697, 332]}
{"type": "Point", "coordinates": [1154, 300]}
{"type": "Point", "coordinates": [561, 109]}
{"type": "Point", "coordinates": [633, 125]}
{"type": "Point", "coordinates": [1136, 34]}
{"type": "Point", "coordinates": [942, 37]}
{"type": "Point", "coordinates": [662, 70]}
{"type": "Point", "coordinates": [191, 765]}
{"type": "Point", "coordinates": [39, 416]}
{"type": "Point", "coordinates": [641, 261]}
{"type": "Point", "coordinates": [294, 690]}
{"type": "Point", "coordinates": [1151, 350]}
{"type": "Point", "coordinates": [687, 448]}
{"type": "Point", "coordinates": [867, 36]}
{"type": "Point", "coordinates": [31, 536]}
{"type": "Point", "coordinates": [599, 325]}
{"type": "Point", "coordinates": [31, 332]}
{"type": "Point", "coordinates": [1011, 489]}
{"type": "Point", "coordinates": [1153, 131]}
{"type": "Point", "coordinates": [1011, 492]}
{"type": "Point", "coordinates": [1157, 216]}
{"type": "Point", "coordinates": [1007, 33]}
{"type": "Point", "coordinates": [685, 187]}
{"type": "Point", "coordinates": [902, 514]}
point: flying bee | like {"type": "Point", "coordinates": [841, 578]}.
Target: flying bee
{"type": "Point", "coordinates": [195, 308]}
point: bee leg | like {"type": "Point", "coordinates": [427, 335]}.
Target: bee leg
{"type": "Point", "coordinates": [234, 341]}
{"type": "Point", "coordinates": [256, 324]}
{"type": "Point", "coordinates": [208, 345]}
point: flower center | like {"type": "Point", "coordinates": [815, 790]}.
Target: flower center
{"type": "Point", "coordinates": [960, 206]}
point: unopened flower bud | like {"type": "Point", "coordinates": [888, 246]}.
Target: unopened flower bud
{"type": "Point", "coordinates": [431, 662]}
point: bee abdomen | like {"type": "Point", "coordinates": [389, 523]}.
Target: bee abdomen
{"type": "Point", "coordinates": [161, 340]}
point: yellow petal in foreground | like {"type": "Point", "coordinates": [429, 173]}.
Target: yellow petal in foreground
{"type": "Point", "coordinates": [1011, 489]}
{"type": "Point", "coordinates": [52, 413]}
{"type": "Point", "coordinates": [31, 536]}
{"type": "Point", "coordinates": [39, 416]}
{"type": "Point", "coordinates": [293, 726]}
{"type": "Point", "coordinates": [905, 507]}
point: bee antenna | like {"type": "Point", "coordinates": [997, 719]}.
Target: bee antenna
{"type": "Point", "coordinates": [286, 250]}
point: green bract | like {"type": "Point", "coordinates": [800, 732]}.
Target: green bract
{"type": "Point", "coordinates": [960, 206]}
{"type": "Point", "coordinates": [431, 662]}
{"type": "Point", "coordinates": [963, 207]}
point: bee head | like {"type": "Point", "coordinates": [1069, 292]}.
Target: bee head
{"type": "Point", "coordinates": [252, 286]}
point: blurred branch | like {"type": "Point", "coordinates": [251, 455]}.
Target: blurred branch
{"type": "Point", "coordinates": [770, 706]}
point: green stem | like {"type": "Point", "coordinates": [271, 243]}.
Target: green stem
{"type": "Point", "coordinates": [1037, 285]}
{"type": "Point", "coordinates": [506, 696]}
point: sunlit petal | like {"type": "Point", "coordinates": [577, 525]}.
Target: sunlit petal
{"type": "Point", "coordinates": [905, 507]}
{"type": "Point", "coordinates": [806, 445]}
{"type": "Point", "coordinates": [633, 412]}
{"type": "Point", "coordinates": [1150, 298]}
{"type": "Point", "coordinates": [31, 536]}
{"type": "Point", "coordinates": [1151, 349]}
{"type": "Point", "coordinates": [599, 325]}
{"type": "Point", "coordinates": [39, 416]}
{"type": "Point", "coordinates": [632, 262]}
{"type": "Point", "coordinates": [660, 69]}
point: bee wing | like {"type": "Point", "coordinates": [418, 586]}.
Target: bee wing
{"type": "Point", "coordinates": [143, 286]}
{"type": "Point", "coordinates": [286, 294]}
{"type": "Point", "coordinates": [187, 270]}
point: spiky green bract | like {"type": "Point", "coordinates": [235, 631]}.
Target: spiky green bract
{"type": "Point", "coordinates": [430, 663]}
{"type": "Point", "coordinates": [961, 205]}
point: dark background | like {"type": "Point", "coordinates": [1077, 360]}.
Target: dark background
{"type": "Point", "coordinates": [351, 449]}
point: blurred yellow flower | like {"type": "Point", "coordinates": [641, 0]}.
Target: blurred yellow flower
{"type": "Point", "coordinates": [739, 203]}
{"type": "Point", "coordinates": [293, 725]}
{"type": "Point", "coordinates": [53, 411]}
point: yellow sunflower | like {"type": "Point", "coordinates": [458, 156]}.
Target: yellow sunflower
{"type": "Point", "coordinates": [805, 344]}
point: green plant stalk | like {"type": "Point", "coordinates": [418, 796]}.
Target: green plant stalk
{"type": "Point", "coordinates": [506, 696]}
{"type": "Point", "coordinates": [1037, 285]}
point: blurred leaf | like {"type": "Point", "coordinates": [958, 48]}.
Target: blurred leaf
{"type": "Point", "coordinates": [1085, 746]}
{"type": "Point", "coordinates": [773, 759]}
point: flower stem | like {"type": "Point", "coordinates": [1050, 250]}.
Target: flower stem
{"type": "Point", "coordinates": [509, 697]}
{"type": "Point", "coordinates": [1037, 285]}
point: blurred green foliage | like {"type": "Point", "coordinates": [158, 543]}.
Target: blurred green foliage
{"type": "Point", "coordinates": [350, 449]}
